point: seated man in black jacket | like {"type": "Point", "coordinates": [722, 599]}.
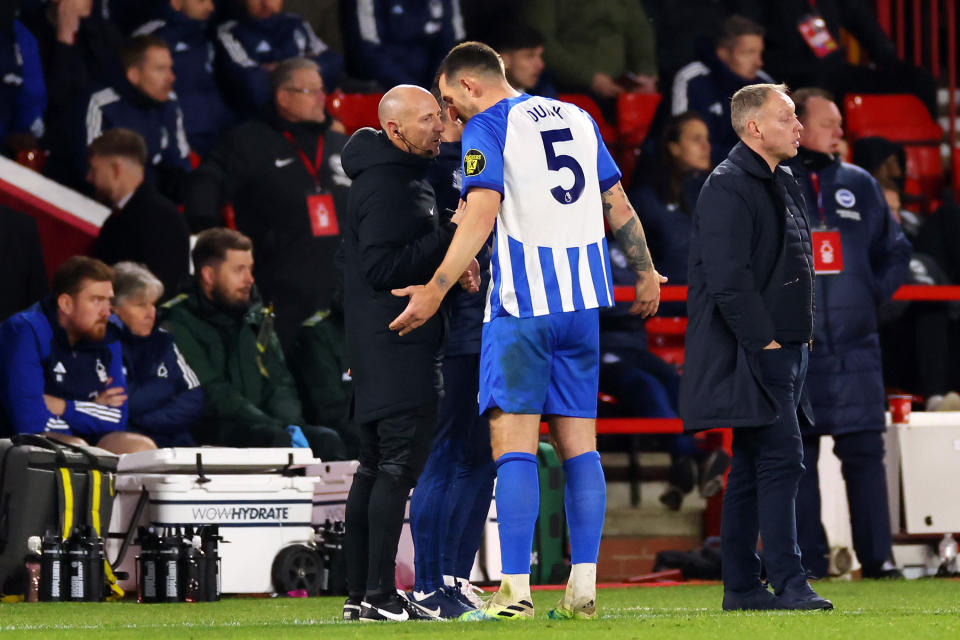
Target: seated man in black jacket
{"type": "Point", "coordinates": [392, 237]}
{"type": "Point", "coordinates": [281, 172]}
{"type": "Point", "coordinates": [144, 227]}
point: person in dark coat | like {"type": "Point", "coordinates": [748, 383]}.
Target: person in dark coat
{"type": "Point", "coordinates": [145, 102]}
{"type": "Point", "coordinates": [145, 226]}
{"type": "Point", "coordinates": [165, 400]}
{"type": "Point", "coordinates": [21, 262]}
{"type": "Point", "coordinates": [183, 24]}
{"type": "Point", "coordinates": [78, 51]}
{"type": "Point", "coordinates": [750, 304]}
{"type": "Point", "coordinates": [392, 237]}
{"type": "Point", "coordinates": [400, 41]}
{"type": "Point", "coordinates": [253, 45]}
{"type": "Point", "coordinates": [281, 173]}
{"type": "Point", "coordinates": [705, 85]}
{"type": "Point", "coordinates": [845, 379]}
{"type": "Point", "coordinates": [452, 499]}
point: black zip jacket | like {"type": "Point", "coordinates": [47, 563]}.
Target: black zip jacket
{"type": "Point", "coordinates": [257, 169]}
{"type": "Point", "coordinates": [750, 281]}
{"type": "Point", "coordinates": [392, 238]}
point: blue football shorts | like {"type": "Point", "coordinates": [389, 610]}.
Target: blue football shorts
{"type": "Point", "coordinates": [547, 365]}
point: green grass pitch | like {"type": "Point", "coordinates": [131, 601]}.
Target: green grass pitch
{"type": "Point", "coordinates": [873, 610]}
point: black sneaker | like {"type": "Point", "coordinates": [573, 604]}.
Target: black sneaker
{"type": "Point", "coordinates": [392, 608]}
{"type": "Point", "coordinates": [711, 472]}
{"type": "Point", "coordinates": [351, 609]}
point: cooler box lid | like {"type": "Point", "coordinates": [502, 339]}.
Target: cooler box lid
{"type": "Point", "coordinates": [215, 460]}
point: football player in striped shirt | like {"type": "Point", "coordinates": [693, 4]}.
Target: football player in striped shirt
{"type": "Point", "coordinates": [537, 174]}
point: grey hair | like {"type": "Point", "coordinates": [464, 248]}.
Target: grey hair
{"type": "Point", "coordinates": [132, 280]}
{"type": "Point", "coordinates": [285, 70]}
{"type": "Point", "coordinates": [748, 100]}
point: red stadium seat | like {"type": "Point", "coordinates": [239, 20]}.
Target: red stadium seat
{"type": "Point", "coordinates": [903, 119]}
{"type": "Point", "coordinates": [635, 113]}
{"type": "Point", "coordinates": [665, 338]}
{"type": "Point", "coordinates": [607, 132]}
{"type": "Point", "coordinates": [354, 110]}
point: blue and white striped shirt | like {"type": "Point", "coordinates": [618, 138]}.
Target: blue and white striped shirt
{"type": "Point", "coordinates": [549, 164]}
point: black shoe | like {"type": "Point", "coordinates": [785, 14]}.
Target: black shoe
{"type": "Point", "coordinates": [758, 599]}
{"type": "Point", "coordinates": [882, 574]}
{"type": "Point", "coordinates": [711, 472]}
{"type": "Point", "coordinates": [672, 498]}
{"type": "Point", "coordinates": [351, 609]}
{"type": "Point", "coordinates": [798, 595]}
{"type": "Point", "coordinates": [391, 608]}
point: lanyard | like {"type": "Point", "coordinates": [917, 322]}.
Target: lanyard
{"type": "Point", "coordinates": [815, 182]}
{"type": "Point", "coordinates": [312, 168]}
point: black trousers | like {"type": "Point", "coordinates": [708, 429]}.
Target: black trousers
{"type": "Point", "coordinates": [861, 462]}
{"type": "Point", "coordinates": [393, 451]}
{"type": "Point", "coordinates": [762, 485]}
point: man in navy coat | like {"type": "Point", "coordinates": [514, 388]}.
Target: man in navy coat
{"type": "Point", "coordinates": [846, 374]}
{"type": "Point", "coordinates": [751, 313]}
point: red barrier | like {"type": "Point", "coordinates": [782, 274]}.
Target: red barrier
{"type": "Point", "coordinates": [917, 292]}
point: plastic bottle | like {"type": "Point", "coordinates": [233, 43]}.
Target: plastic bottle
{"type": "Point", "coordinates": [169, 555]}
{"type": "Point", "coordinates": [93, 571]}
{"type": "Point", "coordinates": [32, 564]}
{"type": "Point", "coordinates": [52, 568]}
{"type": "Point", "coordinates": [948, 553]}
{"type": "Point", "coordinates": [210, 538]}
{"type": "Point", "coordinates": [76, 566]}
{"type": "Point", "coordinates": [190, 570]}
{"type": "Point", "coordinates": [147, 565]}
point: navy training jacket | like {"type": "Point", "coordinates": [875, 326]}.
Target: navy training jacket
{"type": "Point", "coordinates": [36, 359]}
{"type": "Point", "coordinates": [165, 397]}
{"type": "Point", "coordinates": [845, 376]}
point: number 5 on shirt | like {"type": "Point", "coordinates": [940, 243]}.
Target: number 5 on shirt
{"type": "Point", "coordinates": [556, 162]}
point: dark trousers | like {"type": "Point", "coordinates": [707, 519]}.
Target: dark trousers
{"type": "Point", "coordinates": [762, 485]}
{"type": "Point", "coordinates": [450, 504]}
{"type": "Point", "coordinates": [861, 462]}
{"type": "Point", "coordinates": [393, 451]}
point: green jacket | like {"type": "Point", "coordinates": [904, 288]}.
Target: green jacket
{"type": "Point", "coordinates": [238, 360]}
{"type": "Point", "coordinates": [582, 38]}
{"type": "Point", "coordinates": [318, 365]}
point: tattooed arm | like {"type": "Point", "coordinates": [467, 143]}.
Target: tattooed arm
{"type": "Point", "coordinates": [629, 234]}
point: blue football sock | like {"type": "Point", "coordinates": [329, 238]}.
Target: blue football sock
{"type": "Point", "coordinates": [585, 500]}
{"type": "Point", "coordinates": [518, 502]}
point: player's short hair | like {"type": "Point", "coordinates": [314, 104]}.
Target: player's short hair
{"type": "Point", "coordinates": [213, 244]}
{"type": "Point", "coordinates": [133, 281]}
{"type": "Point", "coordinates": [281, 76]}
{"type": "Point", "coordinates": [120, 142]}
{"type": "Point", "coordinates": [514, 36]}
{"type": "Point", "coordinates": [472, 56]}
{"type": "Point", "coordinates": [135, 49]}
{"type": "Point", "coordinates": [734, 27]}
{"type": "Point", "coordinates": [71, 275]}
{"type": "Point", "coordinates": [800, 97]}
{"type": "Point", "coordinates": [748, 100]}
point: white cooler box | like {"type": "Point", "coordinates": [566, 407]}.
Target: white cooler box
{"type": "Point", "coordinates": [258, 513]}
{"type": "Point", "coordinates": [930, 470]}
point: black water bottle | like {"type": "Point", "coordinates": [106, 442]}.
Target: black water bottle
{"type": "Point", "coordinates": [93, 571]}
{"type": "Point", "coordinates": [76, 566]}
{"type": "Point", "coordinates": [191, 570]}
{"type": "Point", "coordinates": [147, 565]}
{"type": "Point", "coordinates": [52, 568]}
{"type": "Point", "coordinates": [336, 562]}
{"type": "Point", "coordinates": [210, 563]}
{"type": "Point", "coordinates": [167, 561]}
